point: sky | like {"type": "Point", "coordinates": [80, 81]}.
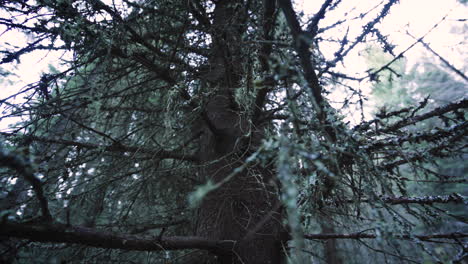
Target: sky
{"type": "Point", "coordinates": [414, 16]}
{"type": "Point", "coordinates": [417, 17]}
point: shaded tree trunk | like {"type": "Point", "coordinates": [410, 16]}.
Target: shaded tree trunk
{"type": "Point", "coordinates": [244, 208]}
{"type": "Point", "coordinates": [331, 252]}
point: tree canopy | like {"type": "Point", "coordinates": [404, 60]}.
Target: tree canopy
{"type": "Point", "coordinates": [207, 131]}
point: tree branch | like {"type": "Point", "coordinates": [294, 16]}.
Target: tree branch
{"type": "Point", "coordinates": [455, 198]}
{"type": "Point", "coordinates": [302, 49]}
{"type": "Point", "coordinates": [366, 30]}
{"type": "Point", "coordinates": [24, 167]}
{"type": "Point", "coordinates": [60, 233]}
{"type": "Point", "coordinates": [451, 198]}
{"type": "Point", "coordinates": [436, 112]}
{"type": "Point", "coordinates": [302, 44]}
{"type": "Point", "coordinates": [115, 148]}
{"type": "Point", "coordinates": [313, 26]}
{"type": "Point", "coordinates": [361, 235]}
{"type": "Point", "coordinates": [429, 136]}
{"type": "Point", "coordinates": [450, 66]}
{"type": "Point", "coordinates": [141, 229]}
{"type": "Point", "coordinates": [268, 19]}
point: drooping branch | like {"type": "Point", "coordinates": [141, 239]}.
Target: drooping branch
{"type": "Point", "coordinates": [60, 233]}
{"type": "Point", "coordinates": [452, 198]}
{"type": "Point", "coordinates": [428, 200]}
{"type": "Point", "coordinates": [395, 200]}
{"type": "Point", "coordinates": [360, 235]}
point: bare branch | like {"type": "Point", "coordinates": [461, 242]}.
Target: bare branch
{"type": "Point", "coordinates": [368, 28]}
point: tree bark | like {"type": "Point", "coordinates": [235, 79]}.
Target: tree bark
{"type": "Point", "coordinates": [331, 251]}
{"type": "Point", "coordinates": [247, 203]}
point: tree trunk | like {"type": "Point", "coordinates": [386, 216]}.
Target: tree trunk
{"type": "Point", "coordinates": [331, 252]}
{"type": "Point", "coordinates": [245, 208]}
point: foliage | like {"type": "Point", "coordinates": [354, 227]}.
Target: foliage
{"type": "Point", "coordinates": [200, 132]}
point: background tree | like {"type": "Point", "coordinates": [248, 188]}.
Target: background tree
{"type": "Point", "coordinates": [201, 132]}
{"type": "Point", "coordinates": [436, 83]}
